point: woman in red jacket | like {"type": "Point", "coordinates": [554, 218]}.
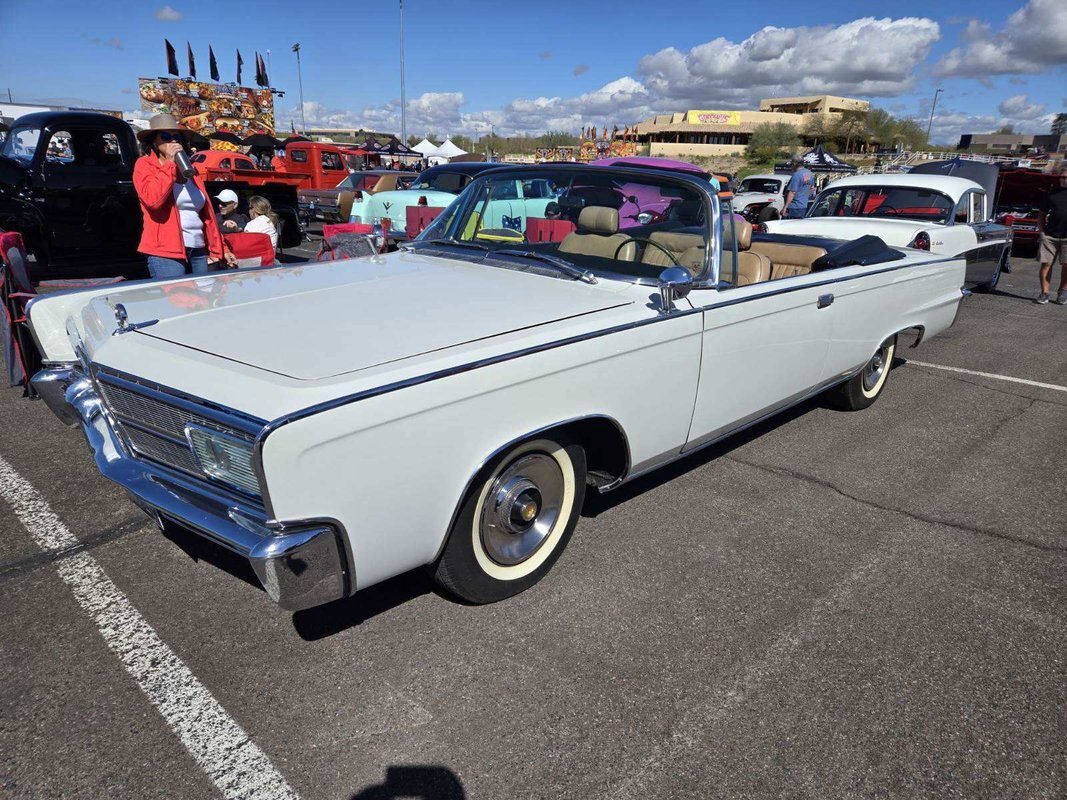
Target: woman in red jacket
{"type": "Point", "coordinates": [180, 232]}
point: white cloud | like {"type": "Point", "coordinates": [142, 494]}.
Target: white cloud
{"type": "Point", "coordinates": [168, 14]}
{"type": "Point", "coordinates": [950, 125]}
{"type": "Point", "coordinates": [1033, 40]}
{"type": "Point", "coordinates": [1019, 107]}
{"type": "Point", "coordinates": [868, 56]}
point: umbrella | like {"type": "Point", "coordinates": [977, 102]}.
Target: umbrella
{"type": "Point", "coordinates": [225, 136]}
{"type": "Point", "coordinates": [261, 140]}
{"type": "Point", "coordinates": [294, 140]}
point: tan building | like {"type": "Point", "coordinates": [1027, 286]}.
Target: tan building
{"type": "Point", "coordinates": [719, 133]}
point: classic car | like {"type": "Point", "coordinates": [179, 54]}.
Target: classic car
{"type": "Point", "coordinates": [219, 164]}
{"type": "Point", "coordinates": [435, 187]}
{"type": "Point", "coordinates": [66, 184]}
{"type": "Point", "coordinates": [942, 214]}
{"type": "Point", "coordinates": [1021, 196]}
{"type": "Point", "coordinates": [447, 405]}
{"type": "Point", "coordinates": [335, 205]}
{"type": "Point", "coordinates": [761, 197]}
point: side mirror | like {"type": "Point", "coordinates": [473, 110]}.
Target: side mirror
{"type": "Point", "coordinates": [674, 284]}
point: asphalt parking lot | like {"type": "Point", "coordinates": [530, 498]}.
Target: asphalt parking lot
{"type": "Point", "coordinates": [830, 605]}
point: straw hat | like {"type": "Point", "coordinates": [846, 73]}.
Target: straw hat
{"type": "Point", "coordinates": [159, 123]}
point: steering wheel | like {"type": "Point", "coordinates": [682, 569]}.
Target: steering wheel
{"type": "Point", "coordinates": [659, 247]}
{"type": "Point", "coordinates": [884, 208]}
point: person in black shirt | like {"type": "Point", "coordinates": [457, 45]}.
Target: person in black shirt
{"type": "Point", "coordinates": [1052, 222]}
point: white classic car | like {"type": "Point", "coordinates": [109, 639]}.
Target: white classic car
{"type": "Point", "coordinates": [759, 198]}
{"type": "Point", "coordinates": [339, 423]}
{"type": "Point", "coordinates": [940, 213]}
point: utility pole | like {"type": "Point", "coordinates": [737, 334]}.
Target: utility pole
{"type": "Point", "coordinates": [269, 70]}
{"type": "Point", "coordinates": [930, 124]}
{"type": "Point", "coordinates": [300, 81]}
{"type": "Point", "coordinates": [403, 88]}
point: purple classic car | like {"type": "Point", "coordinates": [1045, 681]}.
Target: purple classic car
{"type": "Point", "coordinates": [640, 205]}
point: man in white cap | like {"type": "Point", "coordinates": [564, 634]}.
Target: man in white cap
{"type": "Point", "coordinates": [229, 219]}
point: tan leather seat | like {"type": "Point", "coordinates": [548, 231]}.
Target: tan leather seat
{"type": "Point", "coordinates": [788, 259]}
{"type": "Point", "coordinates": [751, 267]}
{"type": "Point", "coordinates": [598, 235]}
{"type": "Point", "coordinates": [687, 249]}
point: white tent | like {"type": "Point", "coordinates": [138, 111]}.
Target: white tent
{"type": "Point", "coordinates": [426, 148]}
{"type": "Point", "coordinates": [449, 150]}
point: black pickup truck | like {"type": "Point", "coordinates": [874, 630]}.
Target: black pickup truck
{"type": "Point", "coordinates": [66, 184]}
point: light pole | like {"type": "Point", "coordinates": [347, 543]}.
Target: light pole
{"type": "Point", "coordinates": [930, 124]}
{"type": "Point", "coordinates": [300, 81]}
{"type": "Point", "coordinates": [403, 89]}
{"type": "Point", "coordinates": [269, 70]}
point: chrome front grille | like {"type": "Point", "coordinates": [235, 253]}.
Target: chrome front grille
{"type": "Point", "coordinates": [153, 426]}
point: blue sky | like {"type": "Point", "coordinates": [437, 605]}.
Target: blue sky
{"type": "Point", "coordinates": [559, 65]}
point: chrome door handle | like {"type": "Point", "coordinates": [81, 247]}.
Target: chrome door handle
{"type": "Point", "coordinates": [825, 300]}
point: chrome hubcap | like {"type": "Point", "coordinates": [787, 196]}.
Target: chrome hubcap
{"type": "Point", "coordinates": [872, 373]}
{"type": "Point", "coordinates": [521, 509]}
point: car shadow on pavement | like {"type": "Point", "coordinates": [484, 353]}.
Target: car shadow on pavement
{"type": "Point", "coordinates": [417, 781]}
{"type": "Point", "coordinates": [200, 549]}
{"type": "Point", "coordinates": [322, 621]}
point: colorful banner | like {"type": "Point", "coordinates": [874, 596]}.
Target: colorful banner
{"type": "Point", "coordinates": [713, 117]}
{"type": "Point", "coordinates": [209, 107]}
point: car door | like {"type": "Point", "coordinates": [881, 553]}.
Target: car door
{"type": "Point", "coordinates": [764, 346]}
{"type": "Point", "coordinates": [990, 241]}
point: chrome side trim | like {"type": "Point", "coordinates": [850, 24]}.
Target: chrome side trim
{"type": "Point", "coordinates": [507, 446]}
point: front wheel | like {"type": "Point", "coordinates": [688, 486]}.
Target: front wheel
{"type": "Point", "coordinates": [862, 389]}
{"type": "Point", "coordinates": [514, 522]}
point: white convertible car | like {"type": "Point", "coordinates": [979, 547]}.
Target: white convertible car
{"type": "Point", "coordinates": [447, 405]}
{"type": "Point", "coordinates": [940, 213]}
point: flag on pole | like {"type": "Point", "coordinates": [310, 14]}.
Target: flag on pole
{"type": "Point", "coordinates": [172, 58]}
{"type": "Point", "coordinates": [192, 61]}
{"type": "Point", "coordinates": [261, 71]}
{"type": "Point", "coordinates": [240, 63]}
{"type": "Point", "coordinates": [213, 64]}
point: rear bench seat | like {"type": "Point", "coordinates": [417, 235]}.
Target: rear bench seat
{"type": "Point", "coordinates": [788, 260]}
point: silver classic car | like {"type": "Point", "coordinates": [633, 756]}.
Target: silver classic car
{"type": "Point", "coordinates": [449, 405]}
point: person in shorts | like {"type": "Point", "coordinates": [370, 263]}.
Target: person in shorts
{"type": "Point", "coordinates": [1052, 222]}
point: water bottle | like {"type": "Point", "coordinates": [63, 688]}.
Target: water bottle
{"type": "Point", "coordinates": [185, 166]}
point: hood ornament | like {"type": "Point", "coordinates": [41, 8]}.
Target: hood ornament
{"type": "Point", "coordinates": [124, 326]}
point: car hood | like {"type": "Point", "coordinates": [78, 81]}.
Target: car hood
{"type": "Point", "coordinates": [329, 319]}
{"type": "Point", "coordinates": [895, 232]}
{"type": "Point", "coordinates": [754, 197]}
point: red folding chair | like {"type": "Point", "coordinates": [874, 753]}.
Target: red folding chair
{"type": "Point", "coordinates": [330, 230]}
{"type": "Point", "coordinates": [548, 230]}
{"type": "Point", "coordinates": [419, 217]}
{"type": "Point", "coordinates": [251, 249]}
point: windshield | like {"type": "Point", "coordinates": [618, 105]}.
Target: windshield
{"type": "Point", "coordinates": [592, 220]}
{"type": "Point", "coordinates": [21, 143]}
{"type": "Point", "coordinates": [883, 201]}
{"type": "Point", "coordinates": [768, 185]}
{"type": "Point", "coordinates": [450, 182]}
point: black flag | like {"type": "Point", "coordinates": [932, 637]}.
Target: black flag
{"type": "Point", "coordinates": [212, 64]}
{"type": "Point", "coordinates": [259, 70]}
{"type": "Point", "coordinates": [172, 58]}
{"type": "Point", "coordinates": [192, 61]}
{"type": "Point", "coordinates": [263, 71]}
{"type": "Point", "coordinates": [240, 63]}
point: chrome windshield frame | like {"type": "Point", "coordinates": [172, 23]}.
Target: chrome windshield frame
{"type": "Point", "coordinates": [713, 242]}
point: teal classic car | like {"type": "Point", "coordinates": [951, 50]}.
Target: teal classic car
{"type": "Point", "coordinates": [438, 186]}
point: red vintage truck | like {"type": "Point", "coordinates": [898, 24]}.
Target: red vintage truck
{"type": "Point", "coordinates": [307, 165]}
{"type": "Point", "coordinates": [1021, 198]}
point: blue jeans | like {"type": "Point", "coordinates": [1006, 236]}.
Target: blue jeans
{"type": "Point", "coordinates": [195, 258]}
{"type": "Point", "coordinates": [795, 213]}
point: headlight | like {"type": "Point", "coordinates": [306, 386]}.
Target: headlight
{"type": "Point", "coordinates": [223, 457]}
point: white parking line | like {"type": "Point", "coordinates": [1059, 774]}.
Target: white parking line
{"type": "Point", "coordinates": [1054, 386]}
{"type": "Point", "coordinates": [239, 769]}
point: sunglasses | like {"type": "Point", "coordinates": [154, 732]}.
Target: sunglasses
{"type": "Point", "coordinates": [169, 137]}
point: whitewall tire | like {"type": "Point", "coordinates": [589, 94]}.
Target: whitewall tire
{"type": "Point", "coordinates": [515, 521]}
{"type": "Point", "coordinates": [863, 389]}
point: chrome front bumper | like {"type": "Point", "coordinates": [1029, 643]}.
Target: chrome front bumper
{"type": "Point", "coordinates": [300, 566]}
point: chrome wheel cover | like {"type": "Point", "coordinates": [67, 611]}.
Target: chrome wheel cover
{"type": "Point", "coordinates": [876, 367]}
{"type": "Point", "coordinates": [521, 508]}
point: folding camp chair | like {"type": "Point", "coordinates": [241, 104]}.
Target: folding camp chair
{"type": "Point", "coordinates": [251, 249]}
{"type": "Point", "coordinates": [419, 217]}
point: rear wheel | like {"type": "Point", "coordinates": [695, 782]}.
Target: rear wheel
{"type": "Point", "coordinates": [514, 522]}
{"type": "Point", "coordinates": [862, 389]}
{"type": "Point", "coordinates": [767, 213]}
{"type": "Point", "coordinates": [991, 284]}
